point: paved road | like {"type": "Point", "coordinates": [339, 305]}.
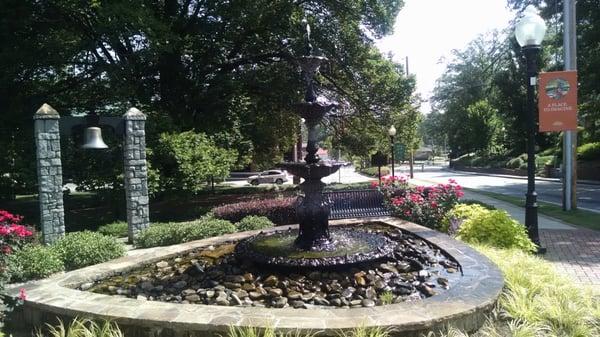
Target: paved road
{"type": "Point", "coordinates": [549, 191]}
{"type": "Point", "coordinates": [588, 196]}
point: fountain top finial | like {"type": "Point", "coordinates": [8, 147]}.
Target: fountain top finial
{"type": "Point", "coordinates": [309, 47]}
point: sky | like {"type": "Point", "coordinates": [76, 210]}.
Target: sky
{"type": "Point", "coordinates": [428, 30]}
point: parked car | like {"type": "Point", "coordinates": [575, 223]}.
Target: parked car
{"type": "Point", "coordinates": [269, 177]}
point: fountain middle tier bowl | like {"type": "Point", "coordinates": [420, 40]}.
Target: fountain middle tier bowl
{"type": "Point", "coordinates": [310, 171]}
{"type": "Point", "coordinates": [347, 247]}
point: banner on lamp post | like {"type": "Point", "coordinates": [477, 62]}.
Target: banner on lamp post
{"type": "Point", "coordinates": [557, 101]}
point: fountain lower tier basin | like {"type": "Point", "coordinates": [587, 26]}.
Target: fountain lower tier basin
{"type": "Point", "coordinates": [345, 247]}
{"type": "Point", "coordinates": [310, 171]}
{"type": "Point", "coordinates": [470, 296]}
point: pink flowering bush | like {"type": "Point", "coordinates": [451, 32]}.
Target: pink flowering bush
{"type": "Point", "coordinates": [424, 205]}
{"type": "Point", "coordinates": [13, 236]}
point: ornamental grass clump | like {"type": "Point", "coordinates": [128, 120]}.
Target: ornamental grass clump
{"type": "Point", "coordinates": [117, 229]}
{"type": "Point", "coordinates": [423, 205]}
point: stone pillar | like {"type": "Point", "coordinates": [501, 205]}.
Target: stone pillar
{"type": "Point", "coordinates": [49, 171]}
{"type": "Point", "coordinates": [135, 172]}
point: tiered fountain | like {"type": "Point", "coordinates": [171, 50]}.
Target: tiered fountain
{"type": "Point", "coordinates": [315, 245]}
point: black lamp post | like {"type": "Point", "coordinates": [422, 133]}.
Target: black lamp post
{"type": "Point", "coordinates": [392, 133]}
{"type": "Point", "coordinates": [530, 31]}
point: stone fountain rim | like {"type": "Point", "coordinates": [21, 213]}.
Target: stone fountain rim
{"type": "Point", "coordinates": [464, 305]}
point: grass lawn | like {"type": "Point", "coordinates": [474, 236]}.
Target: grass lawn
{"type": "Point", "coordinates": [576, 217]}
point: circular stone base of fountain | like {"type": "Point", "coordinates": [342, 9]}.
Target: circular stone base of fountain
{"type": "Point", "coordinates": [346, 247]}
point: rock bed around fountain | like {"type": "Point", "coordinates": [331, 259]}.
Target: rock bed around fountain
{"type": "Point", "coordinates": [214, 276]}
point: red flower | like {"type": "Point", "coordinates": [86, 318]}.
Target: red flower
{"type": "Point", "coordinates": [22, 294]}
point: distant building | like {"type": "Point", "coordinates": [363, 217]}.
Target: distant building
{"type": "Point", "coordinates": [423, 153]}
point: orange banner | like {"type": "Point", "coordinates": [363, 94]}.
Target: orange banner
{"type": "Point", "coordinates": [557, 102]}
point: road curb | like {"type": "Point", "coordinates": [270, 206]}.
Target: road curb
{"type": "Point", "coordinates": [556, 180]}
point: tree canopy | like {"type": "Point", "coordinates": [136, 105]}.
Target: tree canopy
{"type": "Point", "coordinates": [223, 68]}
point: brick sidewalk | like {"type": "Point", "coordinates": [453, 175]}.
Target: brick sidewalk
{"type": "Point", "coordinates": [574, 252]}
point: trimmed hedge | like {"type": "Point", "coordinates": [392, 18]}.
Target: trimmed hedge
{"type": "Point", "coordinates": [280, 211]}
{"type": "Point", "coordinates": [34, 262]}
{"type": "Point", "coordinates": [166, 234]}
{"type": "Point", "coordinates": [253, 222]}
{"type": "Point", "coordinates": [81, 249]}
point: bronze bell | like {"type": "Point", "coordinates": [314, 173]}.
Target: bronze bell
{"type": "Point", "coordinates": [92, 137]}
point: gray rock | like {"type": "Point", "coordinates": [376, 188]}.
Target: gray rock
{"type": "Point", "coordinates": [321, 301]}
{"type": "Point", "coordinates": [188, 292]}
{"type": "Point", "coordinates": [275, 292]}
{"type": "Point", "coordinates": [192, 298]}
{"type": "Point", "coordinates": [367, 303]}
{"type": "Point", "coordinates": [180, 284]}
{"type": "Point", "coordinates": [141, 298]}
{"type": "Point", "coordinates": [315, 276]}
{"type": "Point", "coordinates": [86, 286]}
{"type": "Point", "coordinates": [297, 304]}
{"type": "Point", "coordinates": [147, 285]}
{"type": "Point", "coordinates": [254, 295]}
{"type": "Point", "coordinates": [271, 281]}
{"type": "Point", "coordinates": [210, 293]}
{"type": "Point", "coordinates": [236, 300]}
{"type": "Point", "coordinates": [235, 279]}
{"type": "Point", "coordinates": [162, 264]}
{"type": "Point", "coordinates": [370, 293]}
{"type": "Point", "coordinates": [294, 295]}
{"type": "Point", "coordinates": [280, 302]}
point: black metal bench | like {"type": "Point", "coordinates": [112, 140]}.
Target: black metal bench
{"type": "Point", "coordinates": [356, 204]}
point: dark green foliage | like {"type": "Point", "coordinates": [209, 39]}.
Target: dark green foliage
{"type": "Point", "coordinates": [219, 67]}
{"type": "Point", "coordinates": [281, 210]}
{"type": "Point", "coordinates": [253, 222]}
{"type": "Point", "coordinates": [81, 249]}
{"type": "Point", "coordinates": [34, 262]}
{"type": "Point", "coordinates": [165, 234]}
{"type": "Point", "coordinates": [188, 160]}
{"type": "Point", "coordinates": [590, 151]}
{"type": "Point", "coordinates": [515, 163]}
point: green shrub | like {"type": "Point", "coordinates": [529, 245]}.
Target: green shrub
{"type": "Point", "coordinates": [515, 163]}
{"type": "Point", "coordinates": [589, 151]}
{"type": "Point", "coordinates": [34, 262]}
{"type": "Point", "coordinates": [116, 229]}
{"type": "Point", "coordinates": [253, 222]}
{"type": "Point", "coordinates": [80, 249]}
{"type": "Point", "coordinates": [496, 228]}
{"type": "Point", "coordinates": [478, 161]}
{"type": "Point", "coordinates": [477, 202]}
{"type": "Point", "coordinates": [173, 233]}
{"type": "Point", "coordinates": [374, 171]}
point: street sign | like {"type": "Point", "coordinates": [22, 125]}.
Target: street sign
{"type": "Point", "coordinates": [558, 101]}
{"type": "Point", "coordinates": [399, 151]}
{"type": "Point", "coordinates": [379, 159]}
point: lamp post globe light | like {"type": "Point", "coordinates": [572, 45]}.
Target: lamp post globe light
{"type": "Point", "coordinates": [529, 32]}
{"type": "Point", "coordinates": [392, 133]}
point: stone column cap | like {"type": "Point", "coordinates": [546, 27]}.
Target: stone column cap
{"type": "Point", "coordinates": [134, 114]}
{"type": "Point", "coordinates": [46, 112]}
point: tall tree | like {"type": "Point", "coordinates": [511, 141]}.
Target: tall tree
{"type": "Point", "coordinates": [224, 68]}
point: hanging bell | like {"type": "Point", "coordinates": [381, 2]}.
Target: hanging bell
{"type": "Point", "coordinates": [92, 137]}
